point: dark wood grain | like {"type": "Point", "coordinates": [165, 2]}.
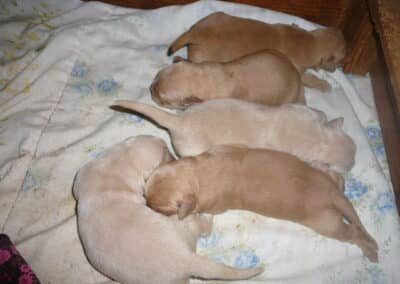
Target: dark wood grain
{"type": "Point", "coordinates": [389, 123]}
{"type": "Point", "coordinates": [385, 77]}
{"type": "Point", "coordinates": [358, 32]}
{"type": "Point", "coordinates": [386, 17]}
{"type": "Point", "coordinates": [330, 13]}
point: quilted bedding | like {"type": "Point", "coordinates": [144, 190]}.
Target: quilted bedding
{"type": "Point", "coordinates": [62, 63]}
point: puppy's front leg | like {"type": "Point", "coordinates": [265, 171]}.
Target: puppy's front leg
{"type": "Point", "coordinates": [313, 81]}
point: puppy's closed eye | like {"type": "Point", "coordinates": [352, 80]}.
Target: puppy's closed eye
{"type": "Point", "coordinates": [165, 210]}
{"type": "Point", "coordinates": [191, 100]}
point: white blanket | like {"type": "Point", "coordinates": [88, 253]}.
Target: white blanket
{"type": "Point", "coordinates": [64, 62]}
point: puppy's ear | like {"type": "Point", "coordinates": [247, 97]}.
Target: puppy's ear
{"type": "Point", "coordinates": [336, 123]}
{"type": "Point", "coordinates": [186, 205]}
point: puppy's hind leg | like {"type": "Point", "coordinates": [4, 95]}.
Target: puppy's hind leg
{"type": "Point", "coordinates": [330, 223]}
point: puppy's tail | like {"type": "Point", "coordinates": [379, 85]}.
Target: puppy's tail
{"type": "Point", "coordinates": [180, 42]}
{"type": "Point", "coordinates": [346, 208]}
{"type": "Point", "coordinates": [163, 118]}
{"type": "Point", "coordinates": [204, 268]}
{"type": "Point", "coordinates": [313, 81]}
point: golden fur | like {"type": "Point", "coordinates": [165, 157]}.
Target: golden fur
{"type": "Point", "coordinates": [271, 183]}
{"type": "Point", "coordinates": [220, 37]}
{"type": "Point", "coordinates": [266, 77]}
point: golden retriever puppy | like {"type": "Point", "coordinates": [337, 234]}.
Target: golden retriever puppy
{"type": "Point", "coordinates": [266, 77]}
{"type": "Point", "coordinates": [291, 128]}
{"type": "Point", "coordinates": [221, 37]}
{"type": "Point", "coordinates": [271, 183]}
{"type": "Point", "coordinates": [126, 240]}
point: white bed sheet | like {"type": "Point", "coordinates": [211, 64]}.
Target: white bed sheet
{"type": "Point", "coordinates": [64, 62]}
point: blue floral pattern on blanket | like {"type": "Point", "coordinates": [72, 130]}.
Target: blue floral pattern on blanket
{"type": "Point", "coordinates": [373, 133]}
{"type": "Point", "coordinates": [79, 70]}
{"type": "Point", "coordinates": [218, 258]}
{"type": "Point", "coordinates": [379, 150]}
{"type": "Point", "coordinates": [134, 118]}
{"type": "Point", "coordinates": [83, 88]}
{"type": "Point", "coordinates": [378, 277]}
{"type": "Point", "coordinates": [208, 241]}
{"type": "Point", "coordinates": [30, 182]}
{"type": "Point", "coordinates": [107, 87]}
{"type": "Point", "coordinates": [88, 83]}
{"type": "Point", "coordinates": [385, 202]}
{"type": "Point", "coordinates": [246, 259]}
{"type": "Point", "coordinates": [240, 255]}
{"type": "Point", "coordinates": [355, 189]}
{"type": "Point", "coordinates": [374, 136]}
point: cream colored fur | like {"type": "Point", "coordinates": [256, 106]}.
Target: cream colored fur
{"type": "Point", "coordinates": [291, 128]}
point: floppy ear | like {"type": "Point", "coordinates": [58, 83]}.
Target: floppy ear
{"type": "Point", "coordinates": [336, 123]}
{"type": "Point", "coordinates": [191, 100]}
{"type": "Point", "coordinates": [186, 205]}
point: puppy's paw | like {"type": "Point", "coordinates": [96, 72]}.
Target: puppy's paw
{"type": "Point", "coordinates": [324, 86]}
{"type": "Point", "coordinates": [372, 255]}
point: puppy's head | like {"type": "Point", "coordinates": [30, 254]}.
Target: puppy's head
{"type": "Point", "coordinates": [147, 153]}
{"type": "Point", "coordinates": [331, 48]}
{"type": "Point", "coordinates": [175, 86]}
{"type": "Point", "coordinates": [169, 191]}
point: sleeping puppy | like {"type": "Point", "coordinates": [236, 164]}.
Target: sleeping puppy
{"type": "Point", "coordinates": [126, 240]}
{"type": "Point", "coordinates": [267, 77]}
{"type": "Point", "coordinates": [295, 129]}
{"type": "Point", "coordinates": [271, 183]}
{"type": "Point", "coordinates": [221, 37]}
